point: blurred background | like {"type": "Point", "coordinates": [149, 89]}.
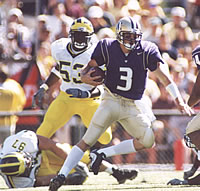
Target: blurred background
{"type": "Point", "coordinates": [28, 27]}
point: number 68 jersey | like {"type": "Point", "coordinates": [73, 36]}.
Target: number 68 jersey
{"type": "Point", "coordinates": [25, 141]}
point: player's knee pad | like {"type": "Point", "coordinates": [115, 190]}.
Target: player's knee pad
{"type": "Point", "coordinates": [148, 138]}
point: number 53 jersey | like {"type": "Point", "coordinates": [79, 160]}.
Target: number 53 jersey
{"type": "Point", "coordinates": [69, 64]}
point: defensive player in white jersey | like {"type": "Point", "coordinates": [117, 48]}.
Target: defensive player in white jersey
{"type": "Point", "coordinates": [75, 97]}
{"type": "Point", "coordinates": [28, 160]}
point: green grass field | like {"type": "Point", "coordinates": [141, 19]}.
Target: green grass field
{"type": "Point", "coordinates": [147, 180]}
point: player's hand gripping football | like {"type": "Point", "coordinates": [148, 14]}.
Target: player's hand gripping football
{"type": "Point", "coordinates": [91, 78]}
{"type": "Point", "coordinates": [38, 98]}
{"type": "Point", "coordinates": [56, 182]}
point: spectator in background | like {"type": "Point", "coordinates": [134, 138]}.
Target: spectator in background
{"type": "Point", "coordinates": [95, 15]}
{"type": "Point", "coordinates": [37, 33]}
{"type": "Point", "coordinates": [115, 9]}
{"type": "Point", "coordinates": [172, 28]}
{"type": "Point", "coordinates": [45, 61]}
{"type": "Point", "coordinates": [15, 15]}
{"type": "Point", "coordinates": [12, 99]}
{"type": "Point", "coordinates": [193, 11]}
{"type": "Point", "coordinates": [155, 29]}
{"type": "Point", "coordinates": [107, 15]}
{"type": "Point", "coordinates": [182, 41]}
{"type": "Point", "coordinates": [105, 33]}
{"type": "Point", "coordinates": [132, 9]}
{"type": "Point", "coordinates": [18, 36]}
{"type": "Point", "coordinates": [55, 20]}
{"type": "Point", "coordinates": [169, 52]}
{"type": "Point", "coordinates": [145, 25]}
{"type": "Point", "coordinates": [154, 8]}
{"type": "Point", "coordinates": [65, 26]}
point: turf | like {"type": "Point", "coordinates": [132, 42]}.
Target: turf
{"type": "Point", "coordinates": [147, 180]}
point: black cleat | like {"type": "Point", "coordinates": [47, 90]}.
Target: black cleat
{"type": "Point", "coordinates": [124, 174]}
{"type": "Point", "coordinates": [57, 182]}
{"type": "Point", "coordinates": [75, 178]}
{"type": "Point", "coordinates": [78, 177]}
{"type": "Point", "coordinates": [96, 159]}
{"type": "Point", "coordinates": [176, 181]}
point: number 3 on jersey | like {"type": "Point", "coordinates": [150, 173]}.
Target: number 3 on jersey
{"type": "Point", "coordinates": [128, 78]}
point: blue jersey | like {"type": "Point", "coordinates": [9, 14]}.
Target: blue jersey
{"type": "Point", "coordinates": [196, 56]}
{"type": "Point", "coordinates": [126, 74]}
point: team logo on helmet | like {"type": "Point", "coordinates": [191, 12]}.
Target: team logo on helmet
{"type": "Point", "coordinates": [16, 163]}
{"type": "Point", "coordinates": [128, 32]}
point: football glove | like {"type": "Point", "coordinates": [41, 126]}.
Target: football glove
{"type": "Point", "coordinates": [56, 182]}
{"type": "Point", "coordinates": [77, 93]}
{"type": "Point", "coordinates": [38, 98]}
{"type": "Point", "coordinates": [176, 181]}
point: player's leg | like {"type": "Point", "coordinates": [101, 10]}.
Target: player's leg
{"type": "Point", "coordinates": [56, 116]}
{"type": "Point", "coordinates": [87, 111]}
{"type": "Point", "coordinates": [193, 131]}
{"type": "Point", "coordinates": [101, 119]}
{"type": "Point", "coordinates": [138, 126]}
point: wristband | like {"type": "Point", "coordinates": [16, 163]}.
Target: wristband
{"type": "Point", "coordinates": [173, 90]}
{"type": "Point", "coordinates": [45, 86]}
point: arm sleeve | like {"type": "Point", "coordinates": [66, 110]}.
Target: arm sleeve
{"type": "Point", "coordinates": [100, 54]}
{"type": "Point", "coordinates": [153, 56]}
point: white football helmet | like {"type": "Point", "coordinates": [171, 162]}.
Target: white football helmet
{"type": "Point", "coordinates": [80, 33]}
{"type": "Point", "coordinates": [128, 32]}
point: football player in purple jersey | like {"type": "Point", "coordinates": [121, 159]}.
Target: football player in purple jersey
{"type": "Point", "coordinates": [127, 60]}
{"type": "Point", "coordinates": [193, 129]}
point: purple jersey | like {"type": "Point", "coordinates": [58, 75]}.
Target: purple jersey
{"type": "Point", "coordinates": [196, 56]}
{"type": "Point", "coordinates": [126, 74]}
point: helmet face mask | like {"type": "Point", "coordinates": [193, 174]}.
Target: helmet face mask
{"type": "Point", "coordinates": [80, 33]}
{"type": "Point", "coordinates": [16, 163]}
{"type": "Point", "coordinates": [128, 33]}
{"type": "Point", "coordinates": [80, 40]}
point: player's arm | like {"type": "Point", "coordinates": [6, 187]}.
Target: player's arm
{"type": "Point", "coordinates": [171, 87]}
{"type": "Point", "coordinates": [51, 80]}
{"type": "Point", "coordinates": [55, 147]}
{"type": "Point", "coordinates": [195, 95]}
{"type": "Point", "coordinates": [86, 74]}
{"type": "Point", "coordinates": [43, 180]}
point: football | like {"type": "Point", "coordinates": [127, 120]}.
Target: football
{"type": "Point", "coordinates": [98, 72]}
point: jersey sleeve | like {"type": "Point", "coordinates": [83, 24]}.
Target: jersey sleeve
{"type": "Point", "coordinates": [196, 56]}
{"type": "Point", "coordinates": [19, 182]}
{"type": "Point", "coordinates": [153, 56]}
{"type": "Point", "coordinates": [99, 54]}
